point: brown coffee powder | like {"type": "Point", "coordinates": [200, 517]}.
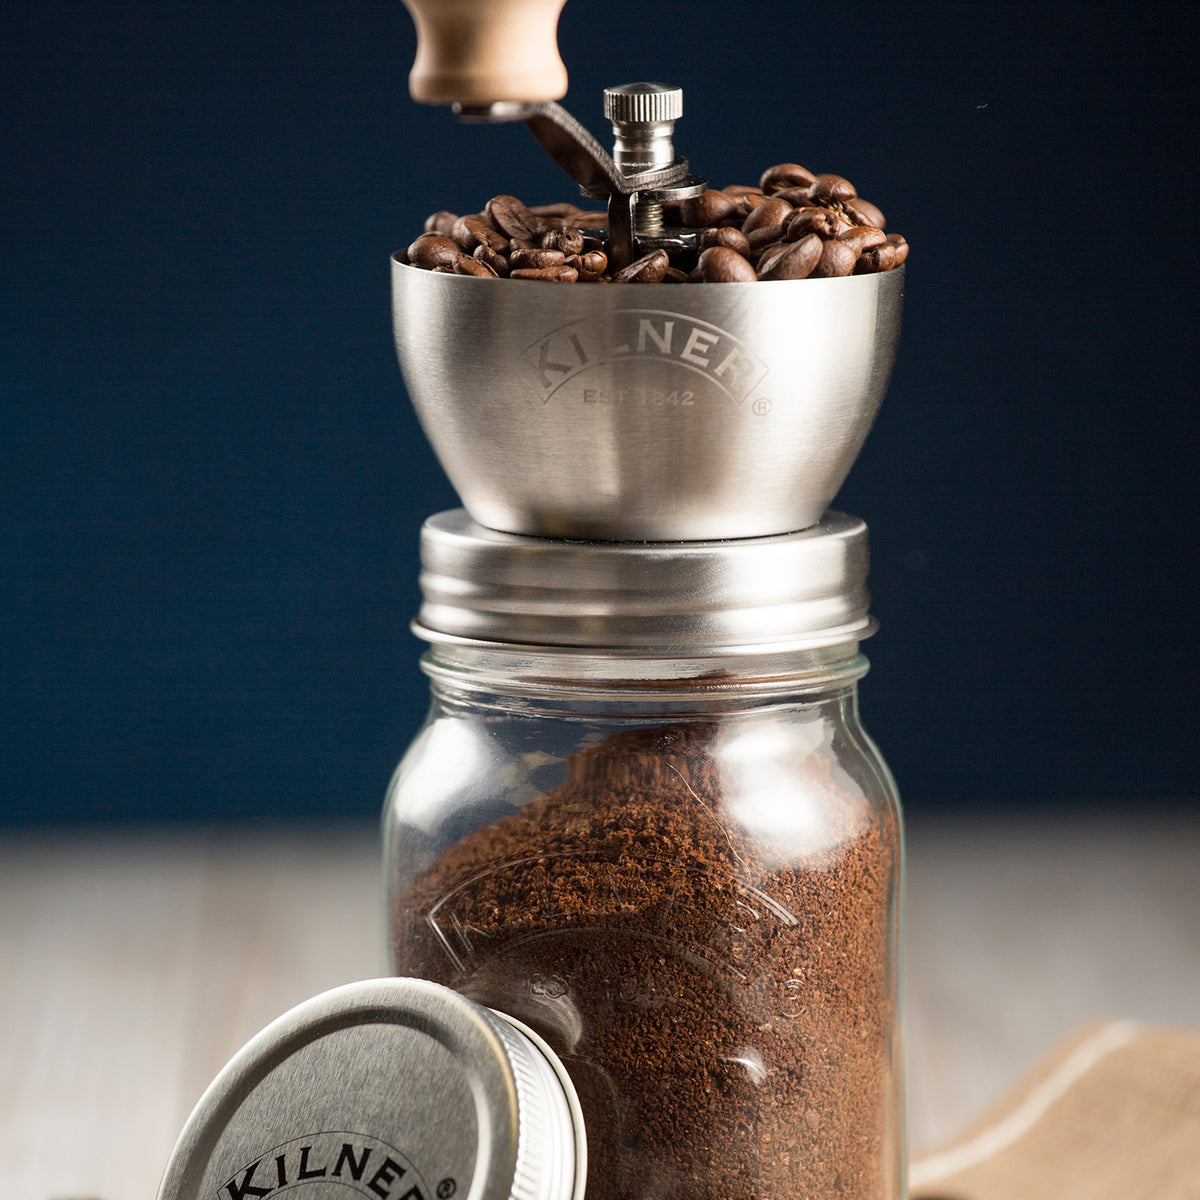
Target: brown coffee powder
{"type": "Point", "coordinates": [723, 998]}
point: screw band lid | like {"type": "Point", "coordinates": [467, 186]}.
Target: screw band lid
{"type": "Point", "coordinates": [394, 1088]}
{"type": "Point", "coordinates": [796, 591]}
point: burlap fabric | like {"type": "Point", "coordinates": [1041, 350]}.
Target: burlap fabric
{"type": "Point", "coordinates": [1112, 1115]}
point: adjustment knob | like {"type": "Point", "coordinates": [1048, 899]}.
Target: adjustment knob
{"type": "Point", "coordinates": [643, 103]}
{"type": "Point", "coordinates": [643, 117]}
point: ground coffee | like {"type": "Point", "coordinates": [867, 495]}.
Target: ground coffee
{"type": "Point", "coordinates": [722, 993]}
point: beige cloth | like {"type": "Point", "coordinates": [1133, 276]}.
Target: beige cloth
{"type": "Point", "coordinates": [1112, 1115]}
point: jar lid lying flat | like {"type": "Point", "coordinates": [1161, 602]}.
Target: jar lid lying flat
{"type": "Point", "coordinates": [787, 592]}
{"type": "Point", "coordinates": [389, 1089]}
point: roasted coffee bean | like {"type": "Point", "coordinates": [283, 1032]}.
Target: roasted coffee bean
{"type": "Point", "coordinates": [585, 276]}
{"type": "Point", "coordinates": [497, 262]}
{"type": "Point", "coordinates": [747, 202]}
{"type": "Point", "coordinates": [876, 259]}
{"type": "Point", "coordinates": [466, 265]}
{"type": "Point", "coordinates": [785, 175]}
{"type": "Point", "coordinates": [648, 269]}
{"type": "Point", "coordinates": [490, 237]}
{"type": "Point", "coordinates": [698, 212]}
{"type": "Point", "coordinates": [735, 239]}
{"type": "Point", "coordinates": [863, 237]}
{"type": "Point", "coordinates": [510, 216]}
{"type": "Point", "coordinates": [537, 259]}
{"type": "Point", "coordinates": [568, 239]}
{"type": "Point", "coordinates": [762, 237]}
{"type": "Point", "coordinates": [559, 274]}
{"type": "Point", "coordinates": [837, 259]}
{"type": "Point", "coordinates": [720, 264]}
{"type": "Point", "coordinates": [675, 275]}
{"type": "Point", "coordinates": [432, 250]}
{"type": "Point", "coordinates": [804, 221]}
{"type": "Point", "coordinates": [793, 260]}
{"type": "Point", "coordinates": [797, 197]}
{"type": "Point", "coordinates": [901, 245]}
{"type": "Point", "coordinates": [590, 220]}
{"type": "Point", "coordinates": [594, 261]}
{"type": "Point", "coordinates": [832, 187]}
{"type": "Point", "coordinates": [769, 212]}
{"type": "Point", "coordinates": [471, 231]}
{"type": "Point", "coordinates": [763, 258]}
{"type": "Point", "coordinates": [441, 222]}
{"type": "Point", "coordinates": [563, 211]}
{"type": "Point", "coordinates": [741, 189]}
{"type": "Point", "coordinates": [864, 212]}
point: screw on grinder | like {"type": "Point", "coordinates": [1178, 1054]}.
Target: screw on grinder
{"type": "Point", "coordinates": [622, 413]}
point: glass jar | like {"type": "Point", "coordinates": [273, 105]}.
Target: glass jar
{"type": "Point", "coordinates": [681, 866]}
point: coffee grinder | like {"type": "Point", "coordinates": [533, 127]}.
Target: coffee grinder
{"type": "Point", "coordinates": [646, 599]}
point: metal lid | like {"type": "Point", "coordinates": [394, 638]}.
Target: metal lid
{"type": "Point", "coordinates": [389, 1089]}
{"type": "Point", "coordinates": [794, 591]}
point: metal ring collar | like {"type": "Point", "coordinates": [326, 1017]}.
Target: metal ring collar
{"type": "Point", "coordinates": [796, 591]}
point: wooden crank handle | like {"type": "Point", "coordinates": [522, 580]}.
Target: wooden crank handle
{"type": "Point", "coordinates": [479, 52]}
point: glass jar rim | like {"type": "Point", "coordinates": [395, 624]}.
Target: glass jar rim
{"type": "Point", "coordinates": [571, 674]}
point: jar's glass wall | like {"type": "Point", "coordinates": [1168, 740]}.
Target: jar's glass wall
{"type": "Point", "coordinates": [695, 903]}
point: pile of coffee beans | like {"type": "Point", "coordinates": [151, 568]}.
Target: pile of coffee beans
{"type": "Point", "coordinates": [793, 225]}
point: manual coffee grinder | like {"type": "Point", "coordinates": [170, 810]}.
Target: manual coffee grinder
{"type": "Point", "coordinates": [643, 818]}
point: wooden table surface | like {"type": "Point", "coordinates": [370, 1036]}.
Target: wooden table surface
{"type": "Point", "coordinates": [132, 966]}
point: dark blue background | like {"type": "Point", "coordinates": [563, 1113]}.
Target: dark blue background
{"type": "Point", "coordinates": [213, 483]}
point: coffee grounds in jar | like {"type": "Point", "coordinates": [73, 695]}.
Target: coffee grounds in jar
{"type": "Point", "coordinates": [724, 1006]}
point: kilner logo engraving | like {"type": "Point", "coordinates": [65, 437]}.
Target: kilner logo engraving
{"type": "Point", "coordinates": [345, 1163]}
{"type": "Point", "coordinates": [672, 339]}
